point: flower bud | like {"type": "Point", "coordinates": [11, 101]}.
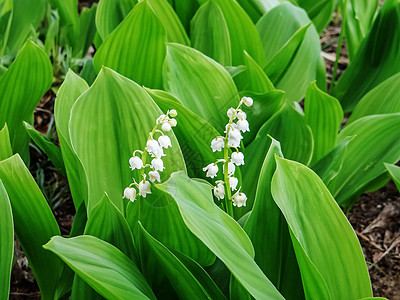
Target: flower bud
{"type": "Point", "coordinates": [172, 122]}
{"type": "Point", "coordinates": [247, 101]}
{"type": "Point", "coordinates": [173, 113]}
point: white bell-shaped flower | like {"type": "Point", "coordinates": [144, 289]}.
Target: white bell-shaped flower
{"type": "Point", "coordinates": [166, 127]}
{"type": "Point", "coordinates": [161, 119]}
{"type": "Point", "coordinates": [231, 168]}
{"type": "Point", "coordinates": [230, 112]}
{"type": "Point", "coordinates": [172, 122]}
{"type": "Point", "coordinates": [217, 144]}
{"type": "Point", "coordinates": [157, 164]}
{"type": "Point", "coordinates": [239, 199]}
{"type": "Point", "coordinates": [237, 158]}
{"type": "Point", "coordinates": [241, 115]}
{"type": "Point", "coordinates": [164, 141]}
{"type": "Point", "coordinates": [154, 175]}
{"type": "Point", "coordinates": [233, 182]}
{"type": "Point", "coordinates": [154, 148]}
{"type": "Point", "coordinates": [219, 190]}
{"type": "Point", "coordinates": [130, 193]}
{"type": "Point", "coordinates": [247, 101]}
{"type": "Point", "coordinates": [135, 162]}
{"type": "Point", "coordinates": [144, 188]}
{"type": "Point", "coordinates": [234, 138]}
{"type": "Point", "coordinates": [173, 113]}
{"type": "Point", "coordinates": [211, 169]}
{"type": "Point", "coordinates": [243, 125]}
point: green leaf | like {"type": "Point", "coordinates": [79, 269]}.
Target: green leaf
{"type": "Point", "coordinates": [376, 141]}
{"type": "Point", "coordinates": [388, 93]}
{"type": "Point", "coordinates": [263, 108]}
{"type": "Point", "coordinates": [27, 16]}
{"type": "Point", "coordinates": [105, 144]}
{"type": "Point", "coordinates": [88, 72]}
{"type": "Point", "coordinates": [94, 260]}
{"type": "Point", "coordinates": [34, 223]}
{"type": "Point", "coordinates": [6, 13]}
{"type": "Point", "coordinates": [210, 34]}
{"type": "Point", "coordinates": [120, 52]}
{"type": "Point", "coordinates": [21, 88]}
{"type": "Point", "coordinates": [324, 115]}
{"type": "Point", "coordinates": [242, 33]}
{"type": "Point", "coordinates": [281, 29]}
{"type": "Point", "coordinates": [5, 144]}
{"type": "Point", "coordinates": [193, 133]}
{"type": "Point", "coordinates": [271, 239]}
{"type": "Point", "coordinates": [377, 58]}
{"type": "Point", "coordinates": [320, 12]}
{"type": "Point", "coordinates": [359, 18]}
{"type": "Point", "coordinates": [290, 128]}
{"type": "Point", "coordinates": [110, 14]}
{"type": "Point", "coordinates": [107, 223]}
{"type": "Point", "coordinates": [395, 173]}
{"type": "Point", "coordinates": [6, 242]}
{"type": "Point", "coordinates": [52, 151]}
{"type": "Point", "coordinates": [219, 232]}
{"type": "Point", "coordinates": [330, 258]}
{"type": "Point", "coordinates": [168, 18]}
{"type": "Point", "coordinates": [185, 9]}
{"type": "Point", "coordinates": [254, 78]}
{"type": "Point", "coordinates": [87, 30]}
{"type": "Point", "coordinates": [200, 83]}
{"type": "Point", "coordinates": [72, 87]}
{"type": "Point", "coordinates": [182, 280]}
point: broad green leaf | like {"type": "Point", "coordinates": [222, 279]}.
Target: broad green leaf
{"type": "Point", "coordinates": [6, 242]}
{"type": "Point", "coordinates": [193, 133]}
{"type": "Point", "coordinates": [185, 9]}
{"type": "Point", "coordinates": [253, 12]}
{"type": "Point", "coordinates": [182, 280]}
{"type": "Point", "coordinates": [110, 13]}
{"type": "Point", "coordinates": [159, 213]}
{"type": "Point", "coordinates": [324, 115]}
{"type": "Point", "coordinates": [210, 35]}
{"type": "Point", "coordinates": [377, 59]}
{"type": "Point", "coordinates": [108, 122]}
{"type": "Point", "coordinates": [168, 18]}
{"type": "Point", "coordinates": [94, 260]}
{"type": "Point", "coordinates": [52, 151]}
{"type": "Point", "coordinates": [359, 17]}
{"type": "Point", "coordinates": [27, 16]}
{"type": "Point", "coordinates": [5, 144]}
{"type": "Point", "coordinates": [6, 13]}
{"type": "Point", "coordinates": [330, 258]}
{"type": "Point", "coordinates": [34, 223]}
{"type": "Point", "coordinates": [120, 50]}
{"type": "Point", "coordinates": [376, 141]}
{"type": "Point", "coordinates": [106, 223]}
{"type": "Point", "coordinates": [395, 173]}
{"type": "Point", "coordinates": [88, 72]}
{"type": "Point", "coordinates": [263, 108]}
{"type": "Point", "coordinates": [200, 83]}
{"type": "Point", "coordinates": [253, 78]}
{"type": "Point", "coordinates": [72, 87]}
{"type": "Point", "coordinates": [290, 128]}
{"type": "Point", "coordinates": [87, 30]}
{"type": "Point", "coordinates": [21, 88]}
{"type": "Point", "coordinates": [320, 12]}
{"type": "Point", "coordinates": [219, 232]}
{"type": "Point", "coordinates": [383, 99]}
{"type": "Point", "coordinates": [271, 239]}
{"type": "Point", "coordinates": [278, 64]}
{"type": "Point", "coordinates": [242, 33]}
{"type": "Point", "coordinates": [281, 29]}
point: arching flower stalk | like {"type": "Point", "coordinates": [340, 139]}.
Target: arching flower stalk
{"type": "Point", "coordinates": [223, 190]}
{"type": "Point", "coordinates": [154, 152]}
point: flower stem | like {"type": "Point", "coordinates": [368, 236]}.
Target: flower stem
{"type": "Point", "coordinates": [228, 198]}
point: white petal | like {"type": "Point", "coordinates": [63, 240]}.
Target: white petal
{"type": "Point", "coordinates": [237, 158]}
{"type": "Point", "coordinates": [233, 182]}
{"type": "Point", "coordinates": [166, 127]}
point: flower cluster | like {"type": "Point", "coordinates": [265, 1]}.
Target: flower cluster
{"type": "Point", "coordinates": [155, 151]}
{"type": "Point", "coordinates": [233, 136]}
